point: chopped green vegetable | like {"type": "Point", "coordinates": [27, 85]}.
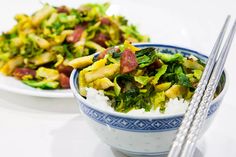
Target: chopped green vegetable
{"type": "Point", "coordinates": [189, 95]}
{"type": "Point", "coordinates": [197, 74]}
{"type": "Point", "coordinates": [116, 87]}
{"type": "Point", "coordinates": [42, 84]}
{"type": "Point", "coordinates": [47, 74]}
{"type": "Point", "coordinates": [133, 99]}
{"type": "Point", "coordinates": [94, 45]}
{"type": "Point", "coordinates": [149, 56]}
{"type": "Point", "coordinates": [161, 71]}
{"type": "Point", "coordinates": [54, 36]}
{"type": "Point", "coordinates": [151, 79]}
{"type": "Point", "coordinates": [163, 86]}
{"type": "Point", "coordinates": [169, 57]}
{"type": "Point", "coordinates": [5, 56]}
{"type": "Point", "coordinates": [175, 91]}
{"type": "Point", "coordinates": [111, 59]}
{"type": "Point", "coordinates": [102, 84]}
{"type": "Point", "coordinates": [144, 51]}
{"type": "Point", "coordinates": [143, 80]}
{"type": "Point", "coordinates": [183, 80]}
{"type": "Point", "coordinates": [158, 99]}
{"type": "Point", "coordinates": [192, 65]}
{"type": "Point", "coordinates": [42, 59]}
{"type": "Point", "coordinates": [42, 43]}
{"type": "Point", "coordinates": [106, 71]}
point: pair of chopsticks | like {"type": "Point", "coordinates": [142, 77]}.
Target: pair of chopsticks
{"type": "Point", "coordinates": [187, 136]}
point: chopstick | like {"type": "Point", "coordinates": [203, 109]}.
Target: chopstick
{"type": "Point", "coordinates": [189, 115]}
{"type": "Point", "coordinates": [196, 113]}
{"type": "Point", "coordinates": [202, 111]}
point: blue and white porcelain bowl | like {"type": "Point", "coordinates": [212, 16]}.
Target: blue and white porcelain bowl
{"type": "Point", "coordinates": [141, 135]}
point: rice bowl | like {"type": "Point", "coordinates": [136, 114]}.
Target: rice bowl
{"type": "Point", "coordinates": [140, 133]}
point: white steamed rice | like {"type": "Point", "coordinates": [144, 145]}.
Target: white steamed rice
{"type": "Point", "coordinates": [173, 106]}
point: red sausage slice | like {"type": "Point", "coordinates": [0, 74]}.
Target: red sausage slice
{"type": "Point", "coordinates": [75, 36]}
{"type": "Point", "coordinates": [101, 39]}
{"type": "Point", "coordinates": [65, 69]}
{"type": "Point", "coordinates": [21, 72]}
{"type": "Point", "coordinates": [128, 61]}
{"type": "Point", "coordinates": [64, 81]}
{"type": "Point", "coordinates": [105, 21]}
{"type": "Point", "coordinates": [63, 9]}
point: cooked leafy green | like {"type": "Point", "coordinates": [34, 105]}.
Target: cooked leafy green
{"type": "Point", "coordinates": [42, 84]}
{"type": "Point", "coordinates": [143, 80]}
{"type": "Point", "coordinates": [132, 98]}
{"type": "Point", "coordinates": [182, 79]}
{"type": "Point", "coordinates": [170, 57]}
{"type": "Point", "coordinates": [197, 74]}
{"type": "Point", "coordinates": [161, 71]}
{"type": "Point", "coordinates": [146, 57]}
{"type": "Point", "coordinates": [157, 77]}
{"type": "Point", "coordinates": [158, 100]}
{"type": "Point", "coordinates": [53, 36]}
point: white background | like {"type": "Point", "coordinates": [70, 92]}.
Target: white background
{"type": "Point", "coordinates": [40, 127]}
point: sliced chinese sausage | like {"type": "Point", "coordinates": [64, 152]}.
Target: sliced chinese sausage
{"type": "Point", "coordinates": [75, 36]}
{"type": "Point", "coordinates": [105, 21]}
{"type": "Point", "coordinates": [63, 9]}
{"type": "Point", "coordinates": [21, 72]}
{"type": "Point", "coordinates": [64, 81]}
{"type": "Point", "coordinates": [65, 69]}
{"type": "Point", "coordinates": [101, 39]}
{"type": "Point", "coordinates": [108, 50]}
{"type": "Point", "coordinates": [102, 54]}
{"type": "Point", "coordinates": [128, 61]}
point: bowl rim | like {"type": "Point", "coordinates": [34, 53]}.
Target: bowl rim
{"type": "Point", "coordinates": [144, 116]}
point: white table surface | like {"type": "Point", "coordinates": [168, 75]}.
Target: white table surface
{"type": "Point", "coordinates": [41, 127]}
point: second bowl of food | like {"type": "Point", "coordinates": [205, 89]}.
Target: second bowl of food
{"type": "Point", "coordinates": [134, 97]}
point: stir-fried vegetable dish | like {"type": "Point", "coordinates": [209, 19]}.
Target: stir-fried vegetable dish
{"type": "Point", "coordinates": [135, 78]}
{"type": "Point", "coordinates": [39, 47]}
